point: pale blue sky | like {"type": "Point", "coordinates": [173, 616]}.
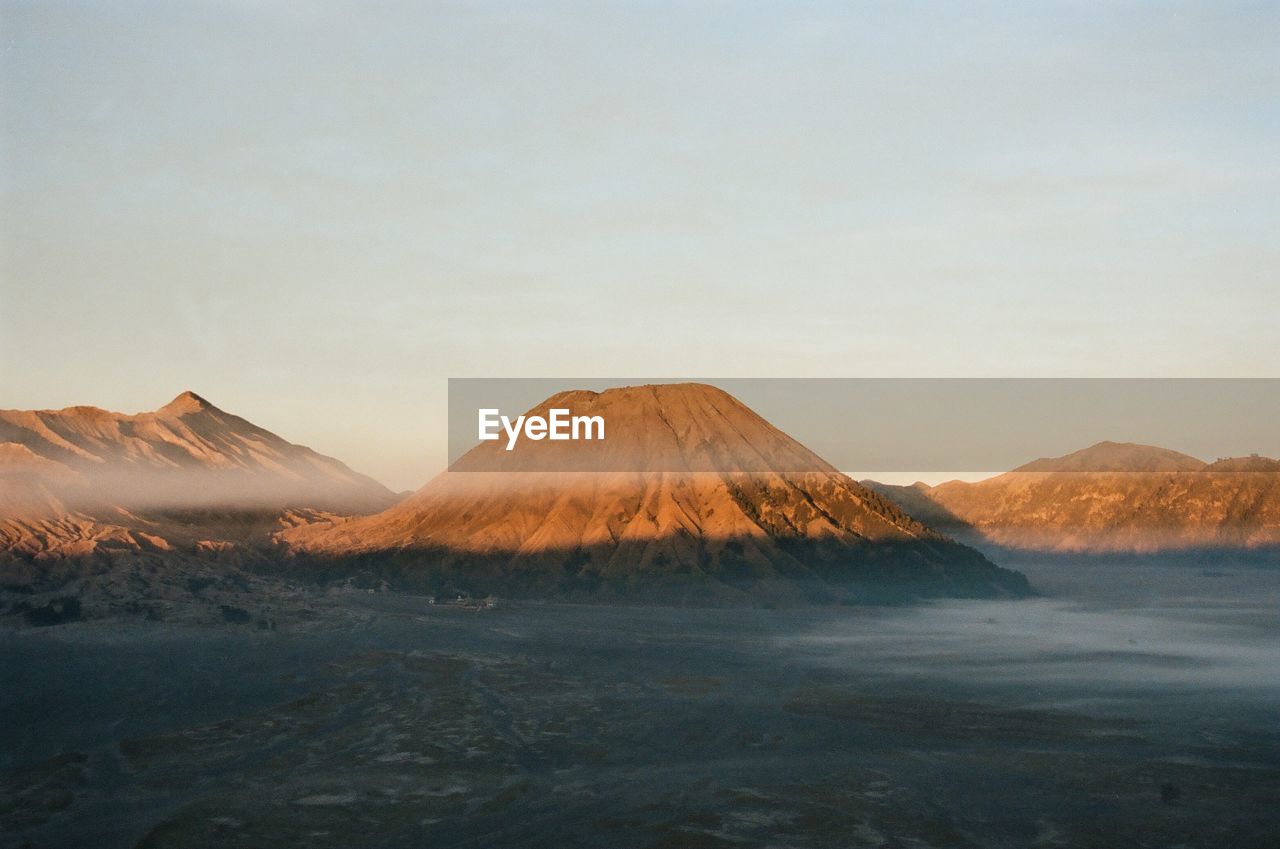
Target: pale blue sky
{"type": "Point", "coordinates": [313, 214]}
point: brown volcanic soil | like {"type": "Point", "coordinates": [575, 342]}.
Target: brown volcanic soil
{"type": "Point", "coordinates": [1112, 498]}
{"type": "Point", "coordinates": [725, 519]}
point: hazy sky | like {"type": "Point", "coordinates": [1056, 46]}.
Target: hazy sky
{"type": "Point", "coordinates": [313, 214]}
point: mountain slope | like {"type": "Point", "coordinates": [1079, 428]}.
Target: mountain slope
{"type": "Point", "coordinates": [1113, 498]}
{"type": "Point", "coordinates": [187, 453]}
{"type": "Point", "coordinates": [189, 476]}
{"type": "Point", "coordinates": [713, 509]}
{"type": "Point", "coordinates": [1117, 457]}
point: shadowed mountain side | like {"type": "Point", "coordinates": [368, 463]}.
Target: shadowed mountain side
{"type": "Point", "coordinates": [721, 523]}
{"type": "Point", "coordinates": [916, 501]}
{"type": "Point", "coordinates": [735, 571]}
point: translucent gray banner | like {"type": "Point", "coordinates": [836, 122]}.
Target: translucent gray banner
{"type": "Point", "coordinates": [860, 425]}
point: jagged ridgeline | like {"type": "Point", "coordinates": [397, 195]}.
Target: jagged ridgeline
{"type": "Point", "coordinates": [704, 503]}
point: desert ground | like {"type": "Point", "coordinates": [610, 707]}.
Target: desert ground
{"type": "Point", "coordinates": [1129, 705]}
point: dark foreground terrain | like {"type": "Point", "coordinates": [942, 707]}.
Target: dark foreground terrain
{"type": "Point", "coordinates": [1108, 714]}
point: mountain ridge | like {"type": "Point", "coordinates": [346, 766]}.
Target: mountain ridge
{"type": "Point", "coordinates": [83, 482]}
{"type": "Point", "coordinates": [713, 513]}
{"type": "Point", "coordinates": [1119, 505]}
{"type": "Point", "coordinates": [1108, 456]}
{"type": "Point", "coordinates": [142, 457]}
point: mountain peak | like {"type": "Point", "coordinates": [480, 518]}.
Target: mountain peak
{"type": "Point", "coordinates": [656, 427]}
{"type": "Point", "coordinates": [188, 453]}
{"type": "Point", "coordinates": [1108, 456]}
{"type": "Point", "coordinates": [187, 402]}
{"type": "Point", "coordinates": [706, 502]}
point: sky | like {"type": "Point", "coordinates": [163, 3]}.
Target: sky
{"type": "Point", "coordinates": [313, 214]}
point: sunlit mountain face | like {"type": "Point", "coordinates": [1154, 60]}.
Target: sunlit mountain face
{"type": "Point", "coordinates": [704, 502]}
{"type": "Point", "coordinates": [1111, 498]}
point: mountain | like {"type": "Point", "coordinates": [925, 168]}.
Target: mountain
{"type": "Point", "coordinates": [187, 453]}
{"type": "Point", "coordinates": [1117, 457]}
{"type": "Point", "coordinates": [1110, 498]}
{"type": "Point", "coordinates": [702, 501]}
{"type": "Point", "coordinates": [83, 481]}
{"type": "Point", "coordinates": [1252, 463]}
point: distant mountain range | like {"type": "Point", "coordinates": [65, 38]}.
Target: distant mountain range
{"type": "Point", "coordinates": [1110, 498]}
{"type": "Point", "coordinates": [188, 477]}
{"type": "Point", "coordinates": [704, 502]}
{"type": "Point", "coordinates": [720, 518]}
